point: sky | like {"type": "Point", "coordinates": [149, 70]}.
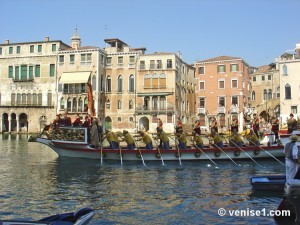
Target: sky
{"type": "Point", "coordinates": [257, 31]}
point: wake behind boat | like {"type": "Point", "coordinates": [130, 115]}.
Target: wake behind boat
{"type": "Point", "coordinates": [73, 142]}
{"type": "Point", "coordinates": [80, 217]}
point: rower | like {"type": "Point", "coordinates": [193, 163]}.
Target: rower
{"type": "Point", "coordinates": [216, 138]}
{"type": "Point", "coordinates": [252, 138]}
{"type": "Point", "coordinates": [163, 138]}
{"type": "Point", "coordinates": [181, 136]}
{"type": "Point", "coordinates": [198, 140]}
{"type": "Point", "coordinates": [111, 139]}
{"type": "Point", "coordinates": [236, 138]}
{"type": "Point", "coordinates": [146, 139]}
{"type": "Point", "coordinates": [129, 140]}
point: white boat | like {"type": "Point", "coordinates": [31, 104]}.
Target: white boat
{"type": "Point", "coordinates": [80, 148]}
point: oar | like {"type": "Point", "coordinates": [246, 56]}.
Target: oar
{"type": "Point", "coordinates": [205, 154]}
{"type": "Point", "coordinates": [162, 161]}
{"type": "Point", "coordinates": [225, 154]}
{"type": "Point", "coordinates": [101, 150]}
{"type": "Point", "coordinates": [139, 152]}
{"type": "Point", "coordinates": [121, 158]}
{"type": "Point", "coordinates": [267, 152]}
{"type": "Point", "coordinates": [178, 151]}
{"type": "Point", "coordinates": [245, 153]}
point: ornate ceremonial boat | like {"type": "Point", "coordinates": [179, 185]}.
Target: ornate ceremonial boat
{"type": "Point", "coordinates": [77, 146]}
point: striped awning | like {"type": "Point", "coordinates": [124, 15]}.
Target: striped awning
{"type": "Point", "coordinates": [75, 78]}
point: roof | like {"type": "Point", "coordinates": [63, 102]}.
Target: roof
{"type": "Point", "coordinates": [80, 48]}
{"type": "Point", "coordinates": [220, 58]}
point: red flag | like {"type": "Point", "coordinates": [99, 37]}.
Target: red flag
{"type": "Point", "coordinates": [90, 99]}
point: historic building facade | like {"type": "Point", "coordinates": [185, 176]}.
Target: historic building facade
{"type": "Point", "coordinates": [165, 90]}
{"type": "Point", "coordinates": [28, 84]}
{"type": "Point", "coordinates": [289, 72]}
{"type": "Point", "coordinates": [223, 90]}
{"type": "Point", "coordinates": [265, 94]}
{"type": "Point", "coordinates": [80, 71]}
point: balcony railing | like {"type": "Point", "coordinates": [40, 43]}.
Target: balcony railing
{"type": "Point", "coordinates": [154, 110]}
{"type": "Point", "coordinates": [234, 109]}
{"type": "Point", "coordinates": [8, 104]}
{"type": "Point", "coordinates": [201, 110]}
{"type": "Point", "coordinates": [222, 110]}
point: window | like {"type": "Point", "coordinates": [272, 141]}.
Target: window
{"type": "Point", "coordinates": [294, 109]}
{"type": "Point", "coordinates": [72, 59]}
{"type": "Point", "coordinates": [147, 81]}
{"type": "Point", "coordinates": [31, 48]}
{"type": "Point", "coordinates": [284, 70]}
{"type": "Point", "coordinates": [270, 94]}
{"type": "Point", "coordinates": [201, 85]}
{"type": "Point", "coordinates": [221, 69]}
{"type": "Point", "coordinates": [221, 84]}
{"type": "Point", "coordinates": [234, 100]}
{"type": "Point", "coordinates": [130, 105]}
{"type": "Point", "coordinates": [162, 81]}
{"type": "Point", "coordinates": [40, 48]}
{"type": "Point", "coordinates": [278, 92]}
{"type": "Point", "coordinates": [0, 50]}
{"type": "Point", "coordinates": [288, 92]}
{"type": "Point", "coordinates": [262, 78]}
{"type": "Point", "coordinates": [201, 70]}
{"type": "Point", "coordinates": [142, 65]}
{"type": "Point", "coordinates": [162, 102]}
{"type": "Point", "coordinates": [86, 59]}
{"type": "Point", "coordinates": [152, 64]}
{"type": "Point", "coordinates": [234, 84]}
{"type": "Point", "coordinates": [30, 72]}
{"type": "Point", "coordinates": [108, 84]}
{"type": "Point", "coordinates": [23, 72]}
{"type": "Point", "coordinates": [17, 73]}
{"type": "Point", "coordinates": [94, 83]}
{"type": "Point", "coordinates": [130, 119]}
{"type": "Point", "coordinates": [108, 61]}
{"type": "Point", "coordinates": [234, 67]}
{"type": "Point", "coordinates": [10, 72]}
{"type": "Point", "coordinates": [269, 77]}
{"type": "Point", "coordinates": [265, 97]}
{"type": "Point", "coordinates": [159, 64]}
{"type": "Point", "coordinates": [40, 98]}
{"type": "Point", "coordinates": [221, 101]}
{"type": "Point", "coordinates": [53, 47]}
{"type": "Point", "coordinates": [120, 61]}
{"type": "Point", "coordinates": [201, 103]}
{"type": "Point", "coordinates": [169, 63]}
{"type": "Point", "coordinates": [49, 98]}
{"type": "Point", "coordinates": [52, 70]}
{"type": "Point", "coordinates": [62, 103]}
{"type": "Point", "coordinates": [61, 60]}
{"type": "Point", "coordinates": [254, 79]}
{"type": "Point", "coordinates": [253, 97]}
{"type": "Point", "coordinates": [131, 83]}
{"type": "Point", "coordinates": [119, 119]}
{"type": "Point", "coordinates": [119, 104]}
{"type": "Point", "coordinates": [37, 71]}
{"type": "Point", "coordinates": [18, 49]}
{"type": "Point", "coordinates": [10, 50]}
{"type": "Point", "coordinates": [120, 84]}
{"type": "Point", "coordinates": [155, 102]}
{"type": "Point", "coordinates": [131, 59]}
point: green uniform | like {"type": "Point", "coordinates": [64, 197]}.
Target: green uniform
{"type": "Point", "coordinates": [115, 137]}
{"type": "Point", "coordinates": [198, 140]}
{"type": "Point", "coordinates": [182, 138]}
{"type": "Point", "coordinates": [163, 136]}
{"type": "Point", "coordinates": [217, 138]}
{"type": "Point", "coordinates": [236, 138]}
{"type": "Point", "coordinates": [128, 139]}
{"type": "Point", "coordinates": [252, 138]}
{"type": "Point", "coordinates": [110, 137]}
{"type": "Point", "coordinates": [146, 138]}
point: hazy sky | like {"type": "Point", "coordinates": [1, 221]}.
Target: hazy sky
{"type": "Point", "coordinates": [255, 30]}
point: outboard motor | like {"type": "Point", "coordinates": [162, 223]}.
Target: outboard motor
{"type": "Point", "coordinates": [292, 194]}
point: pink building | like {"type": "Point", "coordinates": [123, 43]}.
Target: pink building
{"type": "Point", "coordinates": [222, 90]}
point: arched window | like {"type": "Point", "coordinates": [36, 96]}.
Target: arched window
{"type": "Point", "coordinates": [270, 94]}
{"type": "Point", "coordinates": [147, 81]}
{"type": "Point", "coordinates": [120, 83]}
{"type": "Point", "coordinates": [69, 105]}
{"type": "Point", "coordinates": [28, 99]}
{"type": "Point", "coordinates": [74, 107]}
{"type": "Point", "coordinates": [119, 104]}
{"type": "Point", "coordinates": [60, 85]}
{"type": "Point", "coordinates": [162, 102]}
{"type": "Point", "coordinates": [18, 99]}
{"type": "Point", "coordinates": [40, 99]}
{"type": "Point", "coordinates": [131, 83]}
{"type": "Point", "coordinates": [284, 70]}
{"type": "Point", "coordinates": [119, 119]}
{"type": "Point", "coordinates": [288, 92]}
{"type": "Point", "coordinates": [155, 102]}
{"type": "Point", "coordinates": [155, 81]}
{"type": "Point", "coordinates": [49, 98]}
{"type": "Point", "coordinates": [94, 83]}
{"type": "Point", "coordinates": [13, 98]}
{"type": "Point", "coordinates": [80, 104]}
{"type": "Point", "coordinates": [130, 104]}
{"type": "Point", "coordinates": [34, 99]}
{"type": "Point", "coordinates": [85, 104]}
{"type": "Point", "coordinates": [253, 97]}
{"type": "Point", "coordinates": [62, 103]}
{"type": "Point", "coordinates": [265, 94]}
{"type": "Point", "coordinates": [23, 99]}
{"type": "Point", "coordinates": [130, 119]}
{"type": "Point", "coordinates": [108, 84]}
{"type": "Point", "coordinates": [162, 80]}
{"type": "Point", "coordinates": [278, 92]}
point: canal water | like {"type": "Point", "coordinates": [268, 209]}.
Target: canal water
{"type": "Point", "coordinates": [35, 183]}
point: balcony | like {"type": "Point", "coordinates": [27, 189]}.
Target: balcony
{"type": "Point", "coordinates": [201, 111]}
{"type": "Point", "coordinates": [154, 110]}
{"type": "Point", "coordinates": [221, 110]}
{"type": "Point", "coordinates": [23, 80]}
{"type": "Point", "coordinates": [131, 65]}
{"type": "Point", "coordinates": [234, 109]}
{"type": "Point", "coordinates": [9, 104]}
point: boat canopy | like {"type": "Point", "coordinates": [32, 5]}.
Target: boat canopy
{"type": "Point", "coordinates": [75, 78]}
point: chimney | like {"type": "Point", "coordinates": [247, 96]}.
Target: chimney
{"type": "Point", "coordinates": [46, 39]}
{"type": "Point", "coordinates": [7, 42]}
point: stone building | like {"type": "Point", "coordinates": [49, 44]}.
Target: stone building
{"type": "Point", "coordinates": [28, 84]}
{"type": "Point", "coordinates": [120, 84]}
{"type": "Point", "coordinates": [77, 68]}
{"type": "Point", "coordinates": [165, 90]}
{"type": "Point", "coordinates": [265, 95]}
{"type": "Point", "coordinates": [289, 72]}
{"type": "Point", "coordinates": [222, 90]}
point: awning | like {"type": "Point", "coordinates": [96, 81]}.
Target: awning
{"type": "Point", "coordinates": [74, 78]}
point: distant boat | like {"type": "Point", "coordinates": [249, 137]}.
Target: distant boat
{"type": "Point", "coordinates": [268, 182]}
{"type": "Point", "coordinates": [73, 142]}
{"type": "Point", "coordinates": [80, 217]}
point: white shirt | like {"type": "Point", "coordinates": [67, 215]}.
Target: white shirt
{"type": "Point", "coordinates": [295, 151]}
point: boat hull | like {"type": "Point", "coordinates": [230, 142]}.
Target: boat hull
{"type": "Point", "coordinates": [83, 150]}
{"type": "Point", "coordinates": [268, 183]}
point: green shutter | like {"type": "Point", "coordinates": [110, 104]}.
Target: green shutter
{"type": "Point", "coordinates": [30, 72]}
{"type": "Point", "coordinates": [17, 72]}
{"type": "Point", "coordinates": [39, 48]}
{"type": "Point", "coordinates": [31, 48]}
{"type": "Point", "coordinates": [37, 71]}
{"type": "Point", "coordinates": [24, 72]}
{"type": "Point", "coordinates": [10, 50]}
{"type": "Point", "coordinates": [10, 72]}
{"type": "Point", "coordinates": [18, 49]}
{"type": "Point", "coordinates": [53, 47]}
{"type": "Point", "coordinates": [0, 50]}
{"type": "Point", "coordinates": [52, 70]}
